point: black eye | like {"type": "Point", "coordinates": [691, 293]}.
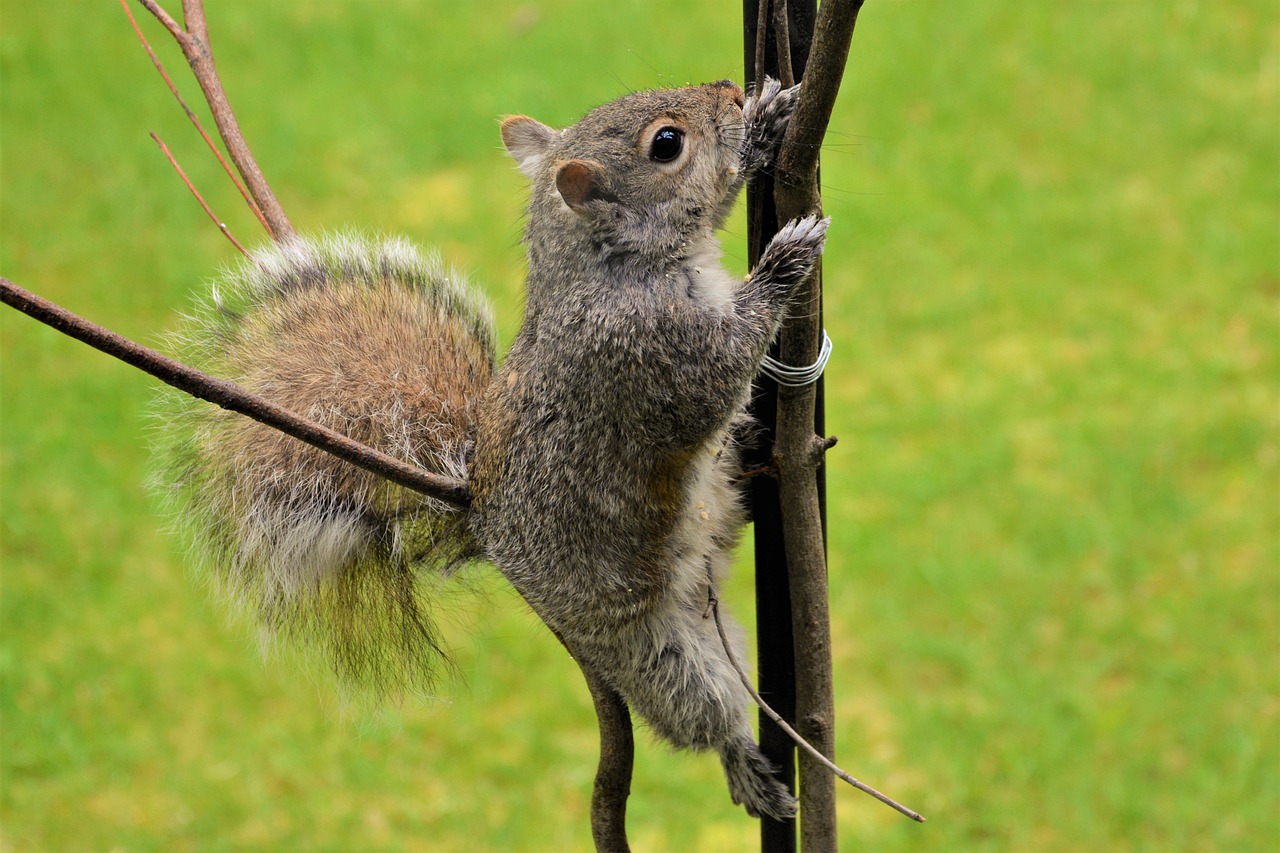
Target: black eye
{"type": "Point", "coordinates": [667, 144]}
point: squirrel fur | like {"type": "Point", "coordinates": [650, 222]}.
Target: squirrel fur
{"type": "Point", "coordinates": [601, 455]}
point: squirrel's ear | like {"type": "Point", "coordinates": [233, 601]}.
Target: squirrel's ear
{"type": "Point", "coordinates": [527, 142]}
{"type": "Point", "coordinates": [581, 181]}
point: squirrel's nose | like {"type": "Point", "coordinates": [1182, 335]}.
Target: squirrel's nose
{"type": "Point", "coordinates": [733, 90]}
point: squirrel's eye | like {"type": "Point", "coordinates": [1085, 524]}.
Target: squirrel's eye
{"type": "Point", "coordinates": [667, 144]}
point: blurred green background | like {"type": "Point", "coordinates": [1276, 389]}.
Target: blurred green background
{"type": "Point", "coordinates": [1054, 286]}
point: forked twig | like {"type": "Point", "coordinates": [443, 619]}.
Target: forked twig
{"type": "Point", "coordinates": [713, 609]}
{"type": "Point", "coordinates": [174, 28]}
{"type": "Point", "coordinates": [226, 167]}
{"type": "Point", "coordinates": [194, 43]}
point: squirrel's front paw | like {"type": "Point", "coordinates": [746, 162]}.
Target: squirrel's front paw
{"type": "Point", "coordinates": [766, 114]}
{"type": "Point", "coordinates": [792, 253]}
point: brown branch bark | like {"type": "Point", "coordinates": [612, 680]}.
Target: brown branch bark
{"type": "Point", "coordinates": [797, 194]}
{"type": "Point", "coordinates": [613, 772]}
{"type": "Point", "coordinates": [762, 33]}
{"type": "Point", "coordinates": [617, 757]}
{"type": "Point", "coordinates": [782, 41]}
{"type": "Point", "coordinates": [234, 398]}
{"type": "Point", "coordinates": [194, 43]}
{"type": "Point", "coordinates": [797, 165]}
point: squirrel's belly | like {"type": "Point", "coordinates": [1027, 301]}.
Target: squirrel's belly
{"type": "Point", "coordinates": [619, 560]}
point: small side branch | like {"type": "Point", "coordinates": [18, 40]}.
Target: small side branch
{"type": "Point", "coordinates": [222, 226]}
{"type": "Point", "coordinates": [234, 398]}
{"type": "Point", "coordinates": [782, 38]}
{"type": "Point", "coordinates": [713, 611]}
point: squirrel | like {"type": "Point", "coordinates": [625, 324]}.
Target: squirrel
{"type": "Point", "coordinates": [601, 455]}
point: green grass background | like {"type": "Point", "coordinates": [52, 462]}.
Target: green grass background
{"type": "Point", "coordinates": [1053, 284]}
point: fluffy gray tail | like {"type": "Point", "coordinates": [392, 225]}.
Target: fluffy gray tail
{"type": "Point", "coordinates": [375, 341]}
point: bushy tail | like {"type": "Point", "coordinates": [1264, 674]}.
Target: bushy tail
{"type": "Point", "coordinates": [375, 341]}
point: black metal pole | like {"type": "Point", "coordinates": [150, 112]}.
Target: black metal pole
{"type": "Point", "coordinates": [774, 641]}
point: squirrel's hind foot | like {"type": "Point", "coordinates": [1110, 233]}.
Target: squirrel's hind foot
{"type": "Point", "coordinates": [752, 783]}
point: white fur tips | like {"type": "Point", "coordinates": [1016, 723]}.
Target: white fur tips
{"type": "Point", "coordinates": [527, 141]}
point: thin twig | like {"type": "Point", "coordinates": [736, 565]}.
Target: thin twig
{"type": "Point", "coordinates": [796, 194]}
{"type": "Point", "coordinates": [797, 162]}
{"type": "Point", "coordinates": [617, 759]}
{"type": "Point", "coordinates": [782, 36]}
{"type": "Point", "coordinates": [193, 17]}
{"type": "Point", "coordinates": [772, 593]}
{"type": "Point", "coordinates": [169, 23]}
{"type": "Point", "coordinates": [194, 42]}
{"type": "Point", "coordinates": [758, 471]}
{"type": "Point", "coordinates": [230, 396]}
{"type": "Point", "coordinates": [762, 30]}
{"type": "Point", "coordinates": [713, 606]}
{"type": "Point", "coordinates": [222, 226]}
{"type": "Point", "coordinates": [226, 167]}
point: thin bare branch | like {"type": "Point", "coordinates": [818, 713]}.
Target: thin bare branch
{"type": "Point", "coordinates": [758, 471]}
{"type": "Point", "coordinates": [163, 17]}
{"type": "Point", "coordinates": [713, 607]}
{"type": "Point", "coordinates": [193, 17]}
{"type": "Point", "coordinates": [194, 42]}
{"type": "Point", "coordinates": [782, 38]}
{"type": "Point", "coordinates": [613, 772]}
{"type": "Point", "coordinates": [617, 758]}
{"type": "Point", "coordinates": [195, 120]}
{"type": "Point", "coordinates": [762, 31]}
{"type": "Point", "coordinates": [612, 785]}
{"type": "Point", "coordinates": [234, 398]}
{"type": "Point", "coordinates": [155, 60]}
{"type": "Point", "coordinates": [222, 226]}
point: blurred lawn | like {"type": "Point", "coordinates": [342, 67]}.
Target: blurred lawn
{"type": "Point", "coordinates": [1053, 284]}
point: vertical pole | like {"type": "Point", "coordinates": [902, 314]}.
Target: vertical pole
{"type": "Point", "coordinates": [775, 643]}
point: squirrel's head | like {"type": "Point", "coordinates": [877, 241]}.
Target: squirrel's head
{"type": "Point", "coordinates": [645, 172]}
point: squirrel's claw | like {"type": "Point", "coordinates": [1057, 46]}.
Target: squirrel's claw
{"type": "Point", "coordinates": [791, 254]}
{"type": "Point", "coordinates": [766, 114]}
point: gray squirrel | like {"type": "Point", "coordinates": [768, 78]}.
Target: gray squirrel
{"type": "Point", "coordinates": [601, 455]}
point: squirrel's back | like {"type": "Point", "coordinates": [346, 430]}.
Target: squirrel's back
{"type": "Point", "coordinates": [373, 340]}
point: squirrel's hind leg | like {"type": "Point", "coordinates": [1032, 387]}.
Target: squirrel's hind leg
{"type": "Point", "coordinates": [676, 675]}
